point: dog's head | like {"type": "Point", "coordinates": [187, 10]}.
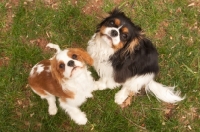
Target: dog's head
{"type": "Point", "coordinates": [70, 62]}
{"type": "Point", "coordinates": [134, 54]}
{"type": "Point", "coordinates": [118, 31]}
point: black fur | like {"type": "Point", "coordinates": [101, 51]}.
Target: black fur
{"type": "Point", "coordinates": [143, 59]}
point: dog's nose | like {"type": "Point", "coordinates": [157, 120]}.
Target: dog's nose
{"type": "Point", "coordinates": [70, 63]}
{"type": "Point", "coordinates": [114, 33]}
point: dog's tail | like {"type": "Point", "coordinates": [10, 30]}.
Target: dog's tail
{"type": "Point", "coordinates": [54, 46]}
{"type": "Point", "coordinates": [164, 93]}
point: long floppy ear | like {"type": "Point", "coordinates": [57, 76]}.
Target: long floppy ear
{"type": "Point", "coordinates": [55, 73]}
{"type": "Point", "coordinates": [83, 54]}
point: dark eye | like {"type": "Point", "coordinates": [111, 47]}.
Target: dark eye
{"type": "Point", "coordinates": [111, 22]}
{"type": "Point", "coordinates": [74, 56]}
{"type": "Point", "coordinates": [124, 36]}
{"type": "Point", "coordinates": [62, 66]}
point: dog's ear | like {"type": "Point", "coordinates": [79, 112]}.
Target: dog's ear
{"type": "Point", "coordinates": [116, 11]}
{"type": "Point", "coordinates": [83, 55]}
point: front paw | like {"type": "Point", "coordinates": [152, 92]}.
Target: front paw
{"type": "Point", "coordinates": [52, 110]}
{"type": "Point", "coordinates": [99, 85]}
{"type": "Point", "coordinates": [89, 96]}
{"type": "Point", "coordinates": [119, 98]}
{"type": "Point", "coordinates": [81, 119]}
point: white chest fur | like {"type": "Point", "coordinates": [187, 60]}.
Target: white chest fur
{"type": "Point", "coordinates": [81, 85]}
{"type": "Point", "coordinates": [100, 51]}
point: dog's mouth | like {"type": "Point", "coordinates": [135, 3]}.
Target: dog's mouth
{"type": "Point", "coordinates": [74, 69]}
{"type": "Point", "coordinates": [108, 37]}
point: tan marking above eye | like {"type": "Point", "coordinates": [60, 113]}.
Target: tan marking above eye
{"type": "Point", "coordinates": [125, 30]}
{"type": "Point", "coordinates": [117, 22]}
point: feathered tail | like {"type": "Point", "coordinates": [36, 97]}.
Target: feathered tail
{"type": "Point", "coordinates": [164, 93]}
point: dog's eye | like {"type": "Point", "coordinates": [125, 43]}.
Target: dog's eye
{"type": "Point", "coordinates": [74, 56]}
{"type": "Point", "coordinates": [62, 66]}
{"type": "Point", "coordinates": [111, 22]}
{"type": "Point", "coordinates": [124, 36]}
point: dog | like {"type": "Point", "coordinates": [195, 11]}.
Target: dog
{"type": "Point", "coordinates": [65, 76]}
{"type": "Point", "coordinates": [123, 56]}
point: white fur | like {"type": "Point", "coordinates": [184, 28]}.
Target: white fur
{"type": "Point", "coordinates": [51, 99]}
{"type": "Point", "coordinates": [100, 50]}
{"type": "Point", "coordinates": [54, 46]}
{"type": "Point", "coordinates": [39, 69]}
{"type": "Point", "coordinates": [82, 85]}
{"type": "Point", "coordinates": [116, 39]}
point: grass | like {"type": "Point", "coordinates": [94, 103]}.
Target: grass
{"type": "Point", "coordinates": [171, 25]}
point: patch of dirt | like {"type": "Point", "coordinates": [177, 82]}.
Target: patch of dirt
{"type": "Point", "coordinates": [93, 7]}
{"type": "Point", "coordinates": [4, 60]}
{"type": "Point", "coordinates": [194, 3]}
{"type": "Point", "coordinates": [66, 126]}
{"type": "Point", "coordinates": [169, 110]}
{"type": "Point", "coordinates": [161, 32]}
{"type": "Point", "coordinates": [188, 116]}
{"type": "Point", "coordinates": [54, 4]}
{"type": "Point", "coordinates": [40, 42]}
{"type": "Point", "coordinates": [11, 3]}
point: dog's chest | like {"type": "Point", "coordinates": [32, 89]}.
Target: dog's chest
{"type": "Point", "coordinates": [100, 52]}
{"type": "Point", "coordinates": [82, 87]}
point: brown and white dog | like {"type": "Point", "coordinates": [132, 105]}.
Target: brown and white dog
{"type": "Point", "coordinates": [65, 76]}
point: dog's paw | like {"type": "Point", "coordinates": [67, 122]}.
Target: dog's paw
{"type": "Point", "coordinates": [81, 119]}
{"type": "Point", "coordinates": [99, 85]}
{"type": "Point", "coordinates": [89, 95]}
{"type": "Point", "coordinates": [53, 110]}
{"type": "Point", "coordinates": [119, 98]}
{"type": "Point", "coordinates": [112, 84]}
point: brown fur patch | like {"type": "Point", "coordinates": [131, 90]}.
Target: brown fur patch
{"type": "Point", "coordinates": [45, 81]}
{"type": "Point", "coordinates": [117, 22]}
{"type": "Point", "coordinates": [102, 29]}
{"type": "Point", "coordinates": [132, 46]}
{"type": "Point", "coordinates": [125, 30]}
{"type": "Point", "coordinates": [119, 46]}
{"type": "Point", "coordinates": [82, 55]}
{"type": "Point", "coordinates": [56, 71]}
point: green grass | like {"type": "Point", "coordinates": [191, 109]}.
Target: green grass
{"type": "Point", "coordinates": [178, 47]}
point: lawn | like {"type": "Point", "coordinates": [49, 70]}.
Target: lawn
{"type": "Point", "coordinates": [28, 25]}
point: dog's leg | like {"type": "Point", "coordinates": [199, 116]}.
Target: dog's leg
{"type": "Point", "coordinates": [104, 83]}
{"type": "Point", "coordinates": [111, 84]}
{"type": "Point", "coordinates": [52, 104]}
{"type": "Point", "coordinates": [74, 112]}
{"type": "Point", "coordinates": [51, 99]}
{"type": "Point", "coordinates": [121, 96]}
{"type": "Point", "coordinates": [134, 84]}
{"type": "Point", "coordinates": [101, 84]}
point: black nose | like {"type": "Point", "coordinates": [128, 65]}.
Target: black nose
{"type": "Point", "coordinates": [70, 63]}
{"type": "Point", "coordinates": [114, 33]}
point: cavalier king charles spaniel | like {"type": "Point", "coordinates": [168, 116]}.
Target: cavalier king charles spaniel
{"type": "Point", "coordinates": [65, 76]}
{"type": "Point", "coordinates": [123, 56]}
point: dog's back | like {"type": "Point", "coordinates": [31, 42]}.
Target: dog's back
{"type": "Point", "coordinates": [42, 81]}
